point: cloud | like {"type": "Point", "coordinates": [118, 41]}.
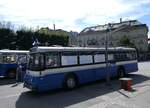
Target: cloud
{"type": "Point", "coordinates": [71, 14]}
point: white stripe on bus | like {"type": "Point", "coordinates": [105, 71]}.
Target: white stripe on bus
{"type": "Point", "coordinates": [126, 62]}
{"type": "Point", "coordinates": [75, 68]}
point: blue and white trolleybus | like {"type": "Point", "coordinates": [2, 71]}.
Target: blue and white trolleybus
{"type": "Point", "coordinates": [9, 62]}
{"type": "Point", "coordinates": [56, 67]}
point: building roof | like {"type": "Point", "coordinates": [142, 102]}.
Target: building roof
{"type": "Point", "coordinates": [103, 28]}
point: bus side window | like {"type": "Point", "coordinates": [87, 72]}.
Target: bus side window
{"type": "Point", "coordinates": [130, 56]}
{"type": "Point", "coordinates": [1, 58]}
{"type": "Point", "coordinates": [110, 57]}
{"type": "Point", "coordinates": [86, 58]}
{"type": "Point", "coordinates": [69, 58]}
{"type": "Point", "coordinates": [134, 56]}
{"type": "Point", "coordinates": [52, 60]}
{"type": "Point", "coordinates": [121, 56]}
{"type": "Point", "coordinates": [9, 58]}
{"type": "Point", "coordinates": [98, 58]}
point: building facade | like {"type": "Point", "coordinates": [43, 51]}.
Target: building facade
{"type": "Point", "coordinates": [72, 38]}
{"type": "Point", "coordinates": [134, 30]}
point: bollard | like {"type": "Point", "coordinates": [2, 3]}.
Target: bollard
{"type": "Point", "coordinates": [126, 83]}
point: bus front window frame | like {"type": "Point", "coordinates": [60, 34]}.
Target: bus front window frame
{"type": "Point", "coordinates": [36, 62]}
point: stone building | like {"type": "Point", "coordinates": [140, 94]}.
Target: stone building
{"type": "Point", "coordinates": [134, 30]}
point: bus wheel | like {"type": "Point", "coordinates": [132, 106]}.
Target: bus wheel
{"type": "Point", "coordinates": [121, 72]}
{"type": "Point", "coordinates": [11, 74]}
{"type": "Point", "coordinates": [70, 82]}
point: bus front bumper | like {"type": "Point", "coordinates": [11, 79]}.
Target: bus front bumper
{"type": "Point", "coordinates": [29, 86]}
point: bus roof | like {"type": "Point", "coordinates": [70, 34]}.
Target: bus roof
{"type": "Point", "coordinates": [13, 51]}
{"type": "Point", "coordinates": [46, 49]}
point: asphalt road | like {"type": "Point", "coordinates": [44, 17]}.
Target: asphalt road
{"type": "Point", "coordinates": [93, 95]}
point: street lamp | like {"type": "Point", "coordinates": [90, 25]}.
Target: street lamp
{"type": "Point", "coordinates": [106, 54]}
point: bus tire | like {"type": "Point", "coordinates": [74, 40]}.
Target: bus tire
{"type": "Point", "coordinates": [11, 73]}
{"type": "Point", "coordinates": [70, 82]}
{"type": "Point", "coordinates": [121, 72]}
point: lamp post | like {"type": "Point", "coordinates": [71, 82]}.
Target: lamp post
{"type": "Point", "coordinates": [106, 55]}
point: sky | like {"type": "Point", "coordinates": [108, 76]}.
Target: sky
{"type": "Point", "coordinates": [73, 15]}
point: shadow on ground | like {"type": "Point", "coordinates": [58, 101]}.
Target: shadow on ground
{"type": "Point", "coordinates": [6, 81]}
{"type": "Point", "coordinates": [61, 98]}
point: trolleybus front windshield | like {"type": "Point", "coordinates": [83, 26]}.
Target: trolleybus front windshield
{"type": "Point", "coordinates": [36, 62]}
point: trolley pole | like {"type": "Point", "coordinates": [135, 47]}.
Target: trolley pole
{"type": "Point", "coordinates": [106, 55]}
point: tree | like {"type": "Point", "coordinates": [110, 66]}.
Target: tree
{"type": "Point", "coordinates": [7, 38]}
{"type": "Point", "coordinates": [6, 25]}
{"type": "Point", "coordinates": [53, 37]}
{"type": "Point", "coordinates": [125, 41]}
{"type": "Point", "coordinates": [24, 39]}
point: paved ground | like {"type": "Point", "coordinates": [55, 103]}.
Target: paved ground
{"type": "Point", "coordinates": [95, 95]}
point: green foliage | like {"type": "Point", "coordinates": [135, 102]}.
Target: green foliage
{"type": "Point", "coordinates": [22, 39]}
{"type": "Point", "coordinates": [125, 41]}
{"type": "Point", "coordinates": [53, 37]}
{"type": "Point", "coordinates": [7, 38]}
